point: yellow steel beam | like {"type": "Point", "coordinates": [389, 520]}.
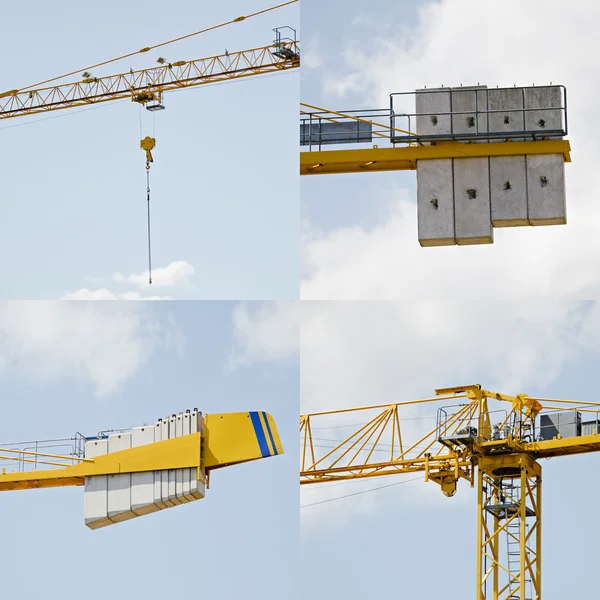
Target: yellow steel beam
{"type": "Point", "coordinates": [361, 453]}
{"type": "Point", "coordinates": [234, 438]}
{"type": "Point", "coordinates": [229, 439]}
{"type": "Point", "coordinates": [327, 162]}
{"type": "Point", "coordinates": [431, 465]}
{"type": "Point", "coordinates": [146, 84]}
{"type": "Point", "coordinates": [581, 444]}
{"type": "Point", "coordinates": [176, 453]}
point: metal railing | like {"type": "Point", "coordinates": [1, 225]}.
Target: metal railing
{"type": "Point", "coordinates": [468, 426]}
{"type": "Point", "coordinates": [480, 118]}
{"type": "Point", "coordinates": [483, 121]}
{"type": "Point", "coordinates": [323, 128]}
{"type": "Point", "coordinates": [30, 455]}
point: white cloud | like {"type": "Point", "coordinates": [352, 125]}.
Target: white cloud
{"type": "Point", "coordinates": [100, 344]}
{"type": "Point", "coordinates": [312, 55]}
{"type": "Point", "coordinates": [365, 353]}
{"type": "Point", "coordinates": [361, 20]}
{"type": "Point", "coordinates": [385, 261]}
{"type": "Point", "coordinates": [362, 353]}
{"type": "Point", "coordinates": [433, 54]}
{"type": "Point", "coordinates": [177, 273]}
{"type": "Point", "coordinates": [264, 333]}
{"type": "Point", "coordinates": [104, 294]}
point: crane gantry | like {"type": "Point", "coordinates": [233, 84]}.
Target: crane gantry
{"type": "Point", "coordinates": [491, 440]}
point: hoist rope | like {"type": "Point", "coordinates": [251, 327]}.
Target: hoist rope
{"type": "Point", "coordinates": [148, 203]}
{"type": "Point", "coordinates": [143, 50]}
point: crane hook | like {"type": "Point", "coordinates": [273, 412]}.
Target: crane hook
{"type": "Point", "coordinates": [148, 144]}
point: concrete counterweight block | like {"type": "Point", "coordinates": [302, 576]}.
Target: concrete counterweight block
{"type": "Point", "coordinates": [430, 107]}
{"type": "Point", "coordinates": [119, 486]}
{"type": "Point", "coordinates": [508, 186]}
{"type": "Point", "coordinates": [470, 106]}
{"type": "Point", "coordinates": [510, 119]}
{"type": "Point", "coordinates": [142, 484]}
{"type": "Point", "coordinates": [546, 189]}
{"type": "Point", "coordinates": [95, 498]}
{"type": "Point", "coordinates": [435, 202]}
{"type": "Point", "coordinates": [473, 220]}
{"type": "Point", "coordinates": [548, 119]}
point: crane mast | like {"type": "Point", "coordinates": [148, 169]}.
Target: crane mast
{"type": "Point", "coordinates": [492, 440]}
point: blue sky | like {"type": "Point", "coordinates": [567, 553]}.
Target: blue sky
{"type": "Point", "coordinates": [409, 540]}
{"type": "Point", "coordinates": [223, 197]}
{"type": "Point", "coordinates": [55, 381]}
{"type": "Point", "coordinates": [340, 201]}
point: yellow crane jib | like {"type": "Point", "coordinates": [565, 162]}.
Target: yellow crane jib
{"type": "Point", "coordinates": [131, 473]}
{"type": "Point", "coordinates": [147, 85]}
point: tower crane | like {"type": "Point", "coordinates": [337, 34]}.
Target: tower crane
{"type": "Point", "coordinates": [146, 87]}
{"type": "Point", "coordinates": [485, 157]}
{"type": "Point", "coordinates": [493, 441]}
{"type": "Point", "coordinates": [129, 473]}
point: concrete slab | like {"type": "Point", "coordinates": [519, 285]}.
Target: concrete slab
{"type": "Point", "coordinates": [429, 103]}
{"type": "Point", "coordinates": [435, 202]}
{"type": "Point", "coordinates": [472, 205]}
{"type": "Point", "coordinates": [508, 189]}
{"type": "Point", "coordinates": [546, 189]}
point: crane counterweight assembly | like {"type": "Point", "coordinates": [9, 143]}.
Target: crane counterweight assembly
{"type": "Point", "coordinates": [485, 157]}
{"type": "Point", "coordinates": [132, 473]}
{"type": "Point", "coordinates": [491, 440]}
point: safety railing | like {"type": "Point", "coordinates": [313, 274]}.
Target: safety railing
{"type": "Point", "coordinates": [31, 455]}
{"type": "Point", "coordinates": [452, 424]}
{"type": "Point", "coordinates": [482, 121]}
{"type": "Point", "coordinates": [320, 128]}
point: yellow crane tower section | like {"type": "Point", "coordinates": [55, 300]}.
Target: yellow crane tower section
{"type": "Point", "coordinates": [492, 440]}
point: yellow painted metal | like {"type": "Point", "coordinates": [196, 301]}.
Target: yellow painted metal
{"type": "Point", "coordinates": [509, 478]}
{"type": "Point", "coordinates": [148, 144]}
{"type": "Point", "coordinates": [582, 444]}
{"type": "Point", "coordinates": [509, 528]}
{"type": "Point", "coordinates": [381, 447]}
{"type": "Point", "coordinates": [143, 85]}
{"type": "Point", "coordinates": [229, 439]}
{"type": "Point", "coordinates": [176, 453]}
{"type": "Point", "coordinates": [326, 162]}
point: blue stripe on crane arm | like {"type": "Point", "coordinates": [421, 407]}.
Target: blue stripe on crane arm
{"type": "Point", "coordinates": [260, 434]}
{"type": "Point", "coordinates": [269, 432]}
